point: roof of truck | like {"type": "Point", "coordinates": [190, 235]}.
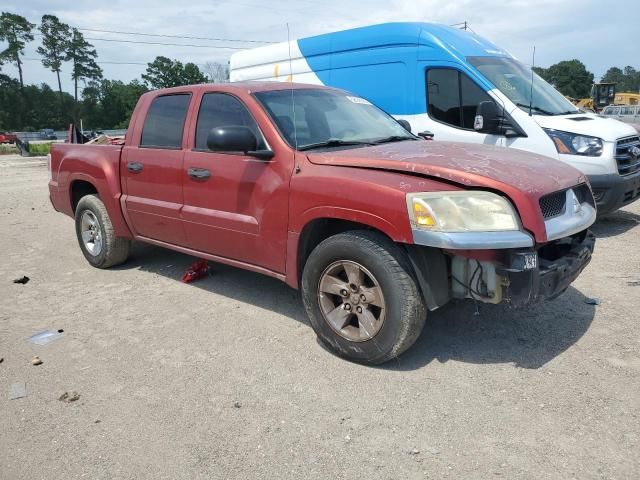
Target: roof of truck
{"type": "Point", "coordinates": [246, 87]}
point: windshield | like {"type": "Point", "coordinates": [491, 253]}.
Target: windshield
{"type": "Point", "coordinates": [329, 118]}
{"type": "Point", "coordinates": [513, 79]}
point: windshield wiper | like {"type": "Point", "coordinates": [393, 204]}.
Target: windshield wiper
{"type": "Point", "coordinates": [394, 138]}
{"type": "Point", "coordinates": [536, 109]}
{"type": "Point", "coordinates": [332, 142]}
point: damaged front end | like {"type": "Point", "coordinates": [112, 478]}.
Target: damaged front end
{"type": "Point", "coordinates": [506, 266]}
{"type": "Point", "coordinates": [522, 276]}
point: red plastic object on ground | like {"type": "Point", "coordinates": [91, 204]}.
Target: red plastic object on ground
{"type": "Point", "coordinates": [196, 271]}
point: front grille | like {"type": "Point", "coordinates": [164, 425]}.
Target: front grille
{"type": "Point", "coordinates": [553, 204]}
{"type": "Point", "coordinates": [627, 162]}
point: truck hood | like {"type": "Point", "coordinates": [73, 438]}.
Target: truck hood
{"type": "Point", "coordinates": [608, 129]}
{"type": "Point", "coordinates": [522, 176]}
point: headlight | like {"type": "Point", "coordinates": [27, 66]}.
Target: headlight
{"type": "Point", "coordinates": [573, 144]}
{"type": "Point", "coordinates": [461, 212]}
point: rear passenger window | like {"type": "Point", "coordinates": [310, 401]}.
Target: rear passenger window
{"type": "Point", "coordinates": [223, 110]}
{"type": "Point", "coordinates": [165, 122]}
{"type": "Point", "coordinates": [453, 97]}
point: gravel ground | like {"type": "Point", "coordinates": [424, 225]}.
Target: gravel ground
{"type": "Point", "coordinates": [224, 379]}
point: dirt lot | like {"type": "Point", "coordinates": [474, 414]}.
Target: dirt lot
{"type": "Point", "coordinates": [224, 378]}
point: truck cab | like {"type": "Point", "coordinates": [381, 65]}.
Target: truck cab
{"type": "Point", "coordinates": [437, 78]}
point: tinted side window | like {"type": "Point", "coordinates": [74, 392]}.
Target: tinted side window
{"type": "Point", "coordinates": [222, 110]}
{"type": "Point", "coordinates": [165, 121]}
{"type": "Point", "coordinates": [472, 95]}
{"type": "Point", "coordinates": [443, 96]}
{"type": "Point", "coordinates": [453, 97]}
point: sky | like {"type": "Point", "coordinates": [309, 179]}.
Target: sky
{"type": "Point", "coordinates": [588, 30]}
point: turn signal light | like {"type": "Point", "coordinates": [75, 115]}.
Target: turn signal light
{"type": "Point", "coordinates": [422, 215]}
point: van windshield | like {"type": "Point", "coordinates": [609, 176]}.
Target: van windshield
{"type": "Point", "coordinates": [325, 118]}
{"type": "Point", "coordinates": [513, 79]}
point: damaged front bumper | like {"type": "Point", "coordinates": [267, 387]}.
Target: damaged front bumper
{"type": "Point", "coordinates": [558, 265]}
{"type": "Point", "coordinates": [517, 276]}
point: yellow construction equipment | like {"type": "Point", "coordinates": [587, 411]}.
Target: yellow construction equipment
{"type": "Point", "coordinates": [625, 98]}
{"type": "Point", "coordinates": [603, 94]}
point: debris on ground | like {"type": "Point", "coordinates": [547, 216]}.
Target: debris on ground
{"type": "Point", "coordinates": [36, 360]}
{"type": "Point", "coordinates": [69, 397]}
{"type": "Point", "coordinates": [237, 404]}
{"type": "Point", "coordinates": [592, 301]}
{"type": "Point", "coordinates": [635, 283]}
{"type": "Point", "coordinates": [17, 390]}
{"type": "Point", "coordinates": [22, 280]}
{"type": "Point", "coordinates": [45, 337]}
{"type": "Point", "coordinates": [415, 451]}
{"type": "Point", "coordinates": [1, 359]}
{"type": "Point", "coordinates": [196, 271]}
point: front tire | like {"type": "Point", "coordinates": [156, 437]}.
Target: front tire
{"type": "Point", "coordinates": [362, 297]}
{"type": "Point", "coordinates": [96, 237]}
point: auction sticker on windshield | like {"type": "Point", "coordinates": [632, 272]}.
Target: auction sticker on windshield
{"type": "Point", "coordinates": [359, 100]}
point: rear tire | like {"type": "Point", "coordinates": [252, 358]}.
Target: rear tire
{"type": "Point", "coordinates": [96, 237]}
{"type": "Point", "coordinates": [378, 316]}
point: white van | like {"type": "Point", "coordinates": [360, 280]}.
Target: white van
{"type": "Point", "coordinates": [462, 88]}
{"type": "Point", "coordinates": [624, 113]}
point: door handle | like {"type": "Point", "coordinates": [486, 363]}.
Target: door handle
{"type": "Point", "coordinates": [199, 173]}
{"type": "Point", "coordinates": [134, 167]}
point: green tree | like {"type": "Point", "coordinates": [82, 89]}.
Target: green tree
{"type": "Point", "coordinates": [31, 107]}
{"type": "Point", "coordinates": [16, 31]}
{"type": "Point", "coordinates": [626, 80]}
{"type": "Point", "coordinates": [83, 57]}
{"type": "Point", "coordinates": [110, 103]}
{"type": "Point", "coordinates": [56, 37]}
{"type": "Point", "coordinates": [164, 73]}
{"type": "Point", "coordinates": [570, 77]}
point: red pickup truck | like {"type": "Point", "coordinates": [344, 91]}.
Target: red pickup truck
{"type": "Point", "coordinates": [321, 189]}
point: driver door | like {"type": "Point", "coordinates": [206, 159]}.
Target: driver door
{"type": "Point", "coordinates": [452, 101]}
{"type": "Point", "coordinates": [235, 205]}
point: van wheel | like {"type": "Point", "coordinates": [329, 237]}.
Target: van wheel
{"type": "Point", "coordinates": [94, 230]}
{"type": "Point", "coordinates": [362, 297]}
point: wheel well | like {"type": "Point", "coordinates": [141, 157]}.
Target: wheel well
{"type": "Point", "coordinates": [79, 189]}
{"type": "Point", "coordinates": [320, 229]}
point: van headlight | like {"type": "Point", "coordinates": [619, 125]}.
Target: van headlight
{"type": "Point", "coordinates": [470, 211]}
{"type": "Point", "coordinates": [574, 144]}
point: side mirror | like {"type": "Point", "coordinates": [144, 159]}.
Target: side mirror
{"type": "Point", "coordinates": [405, 124]}
{"type": "Point", "coordinates": [487, 118]}
{"type": "Point", "coordinates": [231, 139]}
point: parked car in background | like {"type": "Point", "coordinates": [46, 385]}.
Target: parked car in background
{"type": "Point", "coordinates": [462, 88]}
{"type": "Point", "coordinates": [48, 134]}
{"type": "Point", "coordinates": [6, 137]}
{"type": "Point", "coordinates": [624, 113]}
{"type": "Point", "coordinates": [321, 189]}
